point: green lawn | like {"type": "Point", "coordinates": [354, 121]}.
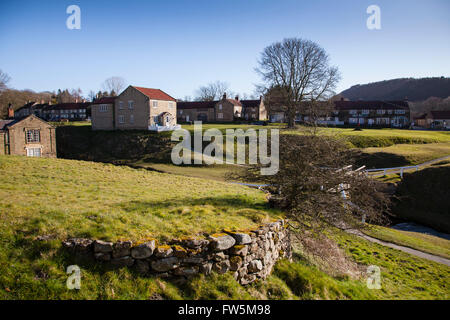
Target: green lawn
{"type": "Point", "coordinates": [416, 240]}
{"type": "Point", "coordinates": [403, 276]}
{"type": "Point", "coordinates": [68, 198]}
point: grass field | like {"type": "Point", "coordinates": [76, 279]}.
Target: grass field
{"type": "Point", "coordinates": [76, 198]}
{"type": "Point", "coordinates": [419, 241]}
{"type": "Point", "coordinates": [63, 198]}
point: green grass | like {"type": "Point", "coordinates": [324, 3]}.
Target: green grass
{"type": "Point", "coordinates": [403, 276]}
{"type": "Point", "coordinates": [68, 198]}
{"type": "Point", "coordinates": [406, 154]}
{"type": "Point", "coordinates": [213, 172]}
{"type": "Point", "coordinates": [379, 137]}
{"type": "Point", "coordinates": [416, 240]}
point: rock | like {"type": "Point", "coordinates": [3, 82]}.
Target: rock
{"type": "Point", "coordinates": [165, 264]}
{"type": "Point", "coordinates": [222, 266]}
{"type": "Point", "coordinates": [240, 250]}
{"type": "Point", "coordinates": [103, 246]}
{"type": "Point", "coordinates": [122, 262]}
{"type": "Point", "coordinates": [255, 266]}
{"type": "Point", "coordinates": [102, 256]}
{"type": "Point", "coordinates": [219, 256]}
{"type": "Point", "coordinates": [184, 271]}
{"type": "Point", "coordinates": [235, 263]}
{"type": "Point", "coordinates": [143, 250]}
{"type": "Point", "coordinates": [241, 238]}
{"type": "Point", "coordinates": [194, 260]}
{"type": "Point", "coordinates": [121, 249]}
{"type": "Point", "coordinates": [196, 243]}
{"type": "Point", "coordinates": [141, 266]}
{"type": "Point", "coordinates": [179, 251]}
{"type": "Point", "coordinates": [222, 242]}
{"type": "Point", "coordinates": [78, 244]}
{"type": "Point", "coordinates": [248, 278]}
{"type": "Point", "coordinates": [206, 268]}
{"type": "Point", "coordinates": [163, 252]}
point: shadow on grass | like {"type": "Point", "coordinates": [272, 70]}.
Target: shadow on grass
{"type": "Point", "coordinates": [235, 202]}
{"type": "Point", "coordinates": [380, 160]}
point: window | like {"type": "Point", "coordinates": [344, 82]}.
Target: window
{"type": "Point", "coordinates": [130, 104]}
{"type": "Point", "coordinates": [220, 106]}
{"type": "Point", "coordinates": [220, 115]}
{"type": "Point", "coordinates": [380, 111]}
{"type": "Point", "coordinates": [120, 104]}
{"type": "Point", "coordinates": [103, 108]}
{"type": "Point", "coordinates": [399, 111]}
{"type": "Point", "coordinates": [389, 111]}
{"type": "Point", "coordinates": [353, 111]}
{"type": "Point", "coordinates": [365, 111]}
{"type": "Point", "coordinates": [121, 119]}
{"type": "Point", "coordinates": [33, 152]}
{"type": "Point", "coordinates": [33, 136]}
{"type": "Point", "coordinates": [353, 120]}
{"type": "Point", "coordinates": [155, 104]}
{"type": "Point", "coordinates": [181, 111]}
{"type": "Point", "coordinates": [131, 118]}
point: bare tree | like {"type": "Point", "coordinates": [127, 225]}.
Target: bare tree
{"type": "Point", "coordinates": [114, 85]}
{"type": "Point", "coordinates": [314, 187]}
{"type": "Point", "coordinates": [212, 91]}
{"type": "Point", "coordinates": [300, 71]}
{"type": "Point", "coordinates": [4, 79]}
{"type": "Point", "coordinates": [91, 96]}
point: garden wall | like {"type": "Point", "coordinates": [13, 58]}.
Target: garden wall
{"type": "Point", "coordinates": [249, 255]}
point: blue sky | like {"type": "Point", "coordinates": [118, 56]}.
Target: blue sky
{"type": "Point", "coordinates": [179, 45]}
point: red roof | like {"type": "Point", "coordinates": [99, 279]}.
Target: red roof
{"type": "Point", "coordinates": [196, 104]}
{"type": "Point", "coordinates": [155, 94]}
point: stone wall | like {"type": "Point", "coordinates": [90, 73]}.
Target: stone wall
{"type": "Point", "coordinates": [249, 255]}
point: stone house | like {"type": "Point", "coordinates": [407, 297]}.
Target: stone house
{"type": "Point", "coordinates": [439, 119]}
{"type": "Point", "coordinates": [224, 110]}
{"type": "Point", "coordinates": [363, 113]}
{"type": "Point", "coordinates": [30, 136]}
{"type": "Point", "coordinates": [102, 111]}
{"type": "Point", "coordinates": [137, 108]}
{"type": "Point", "coordinates": [72, 111]}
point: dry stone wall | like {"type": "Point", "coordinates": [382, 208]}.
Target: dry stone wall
{"type": "Point", "coordinates": [249, 255]}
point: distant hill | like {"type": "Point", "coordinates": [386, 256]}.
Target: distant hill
{"type": "Point", "coordinates": [399, 89]}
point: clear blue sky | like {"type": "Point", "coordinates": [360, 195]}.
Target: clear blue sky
{"type": "Point", "coordinates": [179, 45]}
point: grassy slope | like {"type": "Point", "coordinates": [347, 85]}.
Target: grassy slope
{"type": "Point", "coordinates": [403, 276]}
{"type": "Point", "coordinates": [416, 240]}
{"type": "Point", "coordinates": [75, 198]}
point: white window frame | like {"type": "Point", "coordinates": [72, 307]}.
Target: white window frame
{"type": "Point", "coordinates": [130, 104]}
{"type": "Point", "coordinates": [34, 152]}
{"type": "Point", "coordinates": [103, 108]}
{"type": "Point", "coordinates": [121, 118]}
{"type": "Point", "coordinates": [220, 106]}
{"type": "Point", "coordinates": [121, 105]}
{"type": "Point", "coordinates": [33, 135]}
{"type": "Point", "coordinates": [220, 115]}
{"type": "Point", "coordinates": [155, 104]}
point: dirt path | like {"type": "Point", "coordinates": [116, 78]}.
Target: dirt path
{"type": "Point", "coordinates": [414, 252]}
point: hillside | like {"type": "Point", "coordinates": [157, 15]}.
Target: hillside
{"type": "Point", "coordinates": [399, 89]}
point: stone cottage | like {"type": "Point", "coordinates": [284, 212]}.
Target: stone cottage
{"type": "Point", "coordinates": [29, 136]}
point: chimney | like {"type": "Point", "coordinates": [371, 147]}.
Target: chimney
{"type": "Point", "coordinates": [260, 98]}
{"type": "Point", "coordinates": [224, 96]}
{"type": "Point", "coordinates": [76, 100]}
{"type": "Point", "coordinates": [10, 111]}
{"type": "Point", "coordinates": [236, 98]}
{"type": "Point", "coordinates": [342, 98]}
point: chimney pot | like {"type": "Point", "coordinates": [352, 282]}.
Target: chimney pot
{"type": "Point", "coordinates": [224, 96]}
{"type": "Point", "coordinates": [10, 111]}
{"type": "Point", "coordinates": [236, 98]}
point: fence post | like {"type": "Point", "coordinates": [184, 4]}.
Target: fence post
{"type": "Point", "coordinates": [401, 173]}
